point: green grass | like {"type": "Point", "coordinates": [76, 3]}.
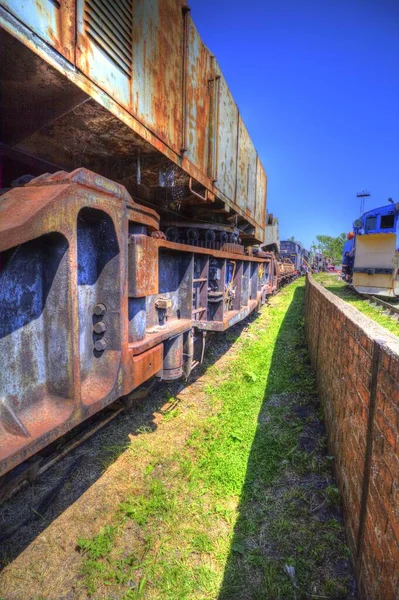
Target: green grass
{"type": "Point", "coordinates": [340, 289]}
{"type": "Point", "coordinates": [226, 513]}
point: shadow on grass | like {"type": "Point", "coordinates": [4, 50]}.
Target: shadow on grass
{"type": "Point", "coordinates": [288, 541]}
{"type": "Point", "coordinates": [343, 292]}
{"type": "Point", "coordinates": [20, 522]}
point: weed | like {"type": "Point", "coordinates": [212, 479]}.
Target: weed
{"type": "Point", "coordinates": [332, 493]}
{"type": "Point", "coordinates": [100, 545]}
{"type": "Point", "coordinates": [171, 414]}
{"type": "Point", "coordinates": [144, 429]}
{"type": "Point", "coordinates": [154, 503]}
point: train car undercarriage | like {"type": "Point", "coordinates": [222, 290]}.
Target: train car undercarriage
{"type": "Point", "coordinates": [95, 301]}
{"type": "Point", "coordinates": [131, 202]}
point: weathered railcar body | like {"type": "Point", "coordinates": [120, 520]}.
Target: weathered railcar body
{"type": "Point", "coordinates": [271, 242]}
{"type": "Point", "coordinates": [115, 108]}
{"type": "Point", "coordinates": [128, 90]}
{"type": "Point", "coordinates": [282, 267]}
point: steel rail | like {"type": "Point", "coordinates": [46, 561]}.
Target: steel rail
{"type": "Point", "coordinates": [390, 309]}
{"type": "Point", "coordinates": [11, 487]}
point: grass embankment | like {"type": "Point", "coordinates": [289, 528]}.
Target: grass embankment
{"type": "Point", "coordinates": [246, 507]}
{"type": "Point", "coordinates": [342, 290]}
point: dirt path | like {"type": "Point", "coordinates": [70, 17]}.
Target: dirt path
{"type": "Point", "coordinates": [220, 489]}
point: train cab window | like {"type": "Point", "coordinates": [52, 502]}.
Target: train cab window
{"type": "Point", "coordinates": [371, 223]}
{"type": "Point", "coordinates": [387, 221]}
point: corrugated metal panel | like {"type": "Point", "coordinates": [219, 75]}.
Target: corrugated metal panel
{"type": "Point", "coordinates": [52, 20]}
{"type": "Point", "coordinates": [110, 27]}
{"type": "Point", "coordinates": [246, 172]}
{"type": "Point", "coordinates": [197, 98]}
{"type": "Point", "coordinates": [157, 67]}
{"type": "Point", "coordinates": [104, 46]}
{"type": "Point", "coordinates": [225, 144]}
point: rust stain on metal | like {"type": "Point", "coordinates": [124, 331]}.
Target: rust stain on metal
{"type": "Point", "coordinates": [147, 364]}
{"type": "Point", "coordinates": [197, 97]}
{"type": "Point", "coordinates": [143, 266]}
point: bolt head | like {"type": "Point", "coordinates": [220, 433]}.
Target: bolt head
{"type": "Point", "coordinates": [99, 310]}
{"type": "Point", "coordinates": [99, 327]}
{"type": "Point", "coordinates": [100, 345]}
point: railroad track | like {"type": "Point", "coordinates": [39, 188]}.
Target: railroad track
{"type": "Point", "coordinates": [388, 309]}
{"type": "Point", "coordinates": [28, 471]}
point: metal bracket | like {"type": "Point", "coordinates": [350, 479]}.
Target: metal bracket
{"type": "Point", "coordinates": [204, 198]}
{"type": "Point", "coordinates": [163, 303]}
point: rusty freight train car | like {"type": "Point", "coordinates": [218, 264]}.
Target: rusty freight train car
{"type": "Point", "coordinates": [131, 196]}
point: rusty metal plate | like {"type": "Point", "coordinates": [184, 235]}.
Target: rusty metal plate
{"type": "Point", "coordinates": [144, 61]}
{"type": "Point", "coordinates": [53, 21]}
{"type": "Point", "coordinates": [61, 257]}
{"type": "Point", "coordinates": [197, 98]}
{"type": "Point", "coordinates": [157, 67]}
{"type": "Point", "coordinates": [260, 200]}
{"type": "Point", "coordinates": [246, 173]}
{"type": "Point", "coordinates": [225, 142]}
{"type": "Point", "coordinates": [147, 364]}
{"type": "Point", "coordinates": [143, 266]}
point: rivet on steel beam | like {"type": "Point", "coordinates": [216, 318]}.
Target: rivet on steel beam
{"type": "Point", "coordinates": [99, 327]}
{"type": "Point", "coordinates": [99, 310]}
{"type": "Point", "coordinates": [100, 345]}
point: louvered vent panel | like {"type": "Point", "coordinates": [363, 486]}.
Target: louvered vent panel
{"type": "Point", "coordinates": [109, 25]}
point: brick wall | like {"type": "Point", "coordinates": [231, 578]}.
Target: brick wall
{"type": "Point", "coordinates": [357, 368]}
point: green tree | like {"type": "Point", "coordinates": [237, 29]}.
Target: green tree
{"type": "Point", "coordinates": [332, 247]}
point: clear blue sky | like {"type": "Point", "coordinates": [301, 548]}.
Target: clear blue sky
{"type": "Point", "coordinates": [317, 83]}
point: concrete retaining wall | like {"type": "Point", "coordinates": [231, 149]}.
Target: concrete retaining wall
{"type": "Point", "coordinates": [357, 367]}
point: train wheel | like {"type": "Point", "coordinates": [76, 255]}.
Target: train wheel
{"type": "Point", "coordinates": [172, 234]}
{"type": "Point", "coordinates": [210, 235]}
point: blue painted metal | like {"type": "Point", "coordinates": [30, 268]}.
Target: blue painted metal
{"type": "Point", "coordinates": [348, 256]}
{"type": "Point", "coordinates": [383, 219]}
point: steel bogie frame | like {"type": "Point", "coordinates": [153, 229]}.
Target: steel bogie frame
{"type": "Point", "coordinates": [94, 302]}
